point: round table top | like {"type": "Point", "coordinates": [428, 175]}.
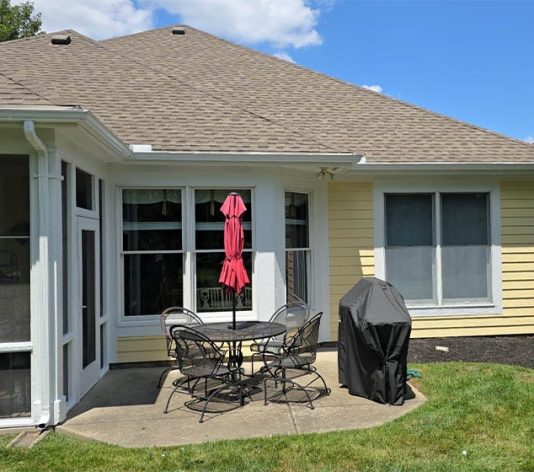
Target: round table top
{"type": "Point", "coordinates": [245, 330]}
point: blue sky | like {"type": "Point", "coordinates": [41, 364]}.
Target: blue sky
{"type": "Point", "coordinates": [473, 60]}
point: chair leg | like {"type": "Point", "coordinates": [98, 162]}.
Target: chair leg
{"type": "Point", "coordinates": [208, 399]}
{"type": "Point", "coordinates": [167, 370]}
{"type": "Point", "coordinates": [303, 389]}
{"type": "Point", "coordinates": [327, 390]}
{"type": "Point", "coordinates": [178, 385]}
{"type": "Point", "coordinates": [313, 370]}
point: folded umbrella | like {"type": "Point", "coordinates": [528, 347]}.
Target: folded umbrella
{"type": "Point", "coordinates": [233, 276]}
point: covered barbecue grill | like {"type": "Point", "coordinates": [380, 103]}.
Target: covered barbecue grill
{"type": "Point", "coordinates": [374, 333]}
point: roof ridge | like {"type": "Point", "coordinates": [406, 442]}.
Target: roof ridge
{"type": "Point", "coordinates": [26, 87]}
{"type": "Point", "coordinates": [363, 89]}
{"type": "Point", "coordinates": [138, 33]}
{"type": "Point", "coordinates": [216, 97]}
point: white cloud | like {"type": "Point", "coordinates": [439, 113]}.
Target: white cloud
{"type": "Point", "coordinates": [529, 139]}
{"type": "Point", "coordinates": [96, 18]}
{"type": "Point", "coordinates": [285, 56]}
{"type": "Point", "coordinates": [280, 23]}
{"type": "Point", "coordinates": [374, 88]}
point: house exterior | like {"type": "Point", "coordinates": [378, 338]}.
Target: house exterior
{"type": "Point", "coordinates": [116, 155]}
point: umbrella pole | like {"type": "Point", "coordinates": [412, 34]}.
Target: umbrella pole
{"type": "Point", "coordinates": [233, 311]}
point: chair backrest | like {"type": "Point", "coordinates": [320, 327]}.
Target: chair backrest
{"type": "Point", "coordinates": [293, 316]}
{"type": "Point", "coordinates": [177, 315]}
{"type": "Point", "coordinates": [173, 316]}
{"type": "Point", "coordinates": [196, 354]}
{"type": "Point", "coordinates": [305, 342]}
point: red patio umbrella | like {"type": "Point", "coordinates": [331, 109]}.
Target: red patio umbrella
{"type": "Point", "coordinates": [233, 276]}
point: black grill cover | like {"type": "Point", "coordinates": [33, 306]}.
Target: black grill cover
{"type": "Point", "coordinates": [374, 332]}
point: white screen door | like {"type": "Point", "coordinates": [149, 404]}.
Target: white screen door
{"type": "Point", "coordinates": [88, 331]}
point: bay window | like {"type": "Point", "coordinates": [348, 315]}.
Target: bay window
{"type": "Point", "coordinates": [297, 246]}
{"type": "Point", "coordinates": [437, 248]}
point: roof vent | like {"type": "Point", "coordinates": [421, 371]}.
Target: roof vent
{"type": "Point", "coordinates": [60, 39]}
{"type": "Point", "coordinates": [141, 147]}
{"type": "Point", "coordinates": [177, 30]}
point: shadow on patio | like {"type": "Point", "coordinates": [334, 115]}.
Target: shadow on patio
{"type": "Point", "coordinates": [126, 408]}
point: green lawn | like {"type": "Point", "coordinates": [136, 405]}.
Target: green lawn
{"type": "Point", "coordinates": [484, 409]}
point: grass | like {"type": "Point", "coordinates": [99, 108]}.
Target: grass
{"type": "Point", "coordinates": [484, 409]}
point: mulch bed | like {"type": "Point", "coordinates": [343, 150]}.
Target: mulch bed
{"type": "Point", "coordinates": [514, 350]}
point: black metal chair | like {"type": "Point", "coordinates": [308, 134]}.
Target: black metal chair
{"type": "Point", "coordinates": [175, 316]}
{"type": "Point", "coordinates": [298, 355]}
{"type": "Point", "coordinates": [199, 358]}
{"type": "Point", "coordinates": [293, 316]}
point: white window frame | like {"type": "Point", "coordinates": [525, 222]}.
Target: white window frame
{"type": "Point", "coordinates": [220, 315]}
{"type": "Point", "coordinates": [142, 319]}
{"type": "Point", "coordinates": [189, 252]}
{"type": "Point", "coordinates": [308, 250]}
{"type": "Point", "coordinates": [494, 305]}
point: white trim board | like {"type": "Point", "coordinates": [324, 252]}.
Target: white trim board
{"type": "Point", "coordinates": [494, 307]}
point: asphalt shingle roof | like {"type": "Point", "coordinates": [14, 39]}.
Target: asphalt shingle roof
{"type": "Point", "coordinates": [196, 92]}
{"type": "Point", "coordinates": [12, 93]}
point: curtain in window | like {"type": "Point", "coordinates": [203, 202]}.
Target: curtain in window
{"type": "Point", "coordinates": [465, 246]}
{"type": "Point", "coordinates": [150, 196]}
{"type": "Point", "coordinates": [410, 251]}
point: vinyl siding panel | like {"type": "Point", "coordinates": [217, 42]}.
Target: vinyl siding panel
{"type": "Point", "coordinates": [352, 257]}
{"type": "Point", "coordinates": [141, 349]}
{"type": "Point", "coordinates": [147, 349]}
{"type": "Point", "coordinates": [517, 212]}
{"type": "Point", "coordinates": [351, 239]}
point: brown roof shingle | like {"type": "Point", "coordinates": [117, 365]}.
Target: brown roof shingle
{"type": "Point", "coordinates": [196, 92]}
{"type": "Point", "coordinates": [12, 93]}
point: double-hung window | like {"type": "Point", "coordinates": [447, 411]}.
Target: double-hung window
{"type": "Point", "coordinates": [170, 260]}
{"type": "Point", "coordinates": [152, 250]}
{"type": "Point", "coordinates": [209, 251]}
{"type": "Point", "coordinates": [298, 251]}
{"type": "Point", "coordinates": [438, 248]}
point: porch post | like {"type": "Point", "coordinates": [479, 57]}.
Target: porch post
{"type": "Point", "coordinates": [56, 289]}
{"type": "Point", "coordinates": [45, 321]}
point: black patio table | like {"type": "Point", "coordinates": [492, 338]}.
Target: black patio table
{"type": "Point", "coordinates": [222, 332]}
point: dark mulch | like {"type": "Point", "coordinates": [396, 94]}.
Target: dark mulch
{"type": "Point", "coordinates": [514, 350]}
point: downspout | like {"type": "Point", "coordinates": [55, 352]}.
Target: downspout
{"type": "Point", "coordinates": [43, 336]}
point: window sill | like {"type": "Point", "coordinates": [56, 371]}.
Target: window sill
{"type": "Point", "coordinates": [207, 317]}
{"type": "Point", "coordinates": [455, 310]}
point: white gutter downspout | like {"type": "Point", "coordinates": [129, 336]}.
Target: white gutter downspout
{"type": "Point", "coordinates": [41, 330]}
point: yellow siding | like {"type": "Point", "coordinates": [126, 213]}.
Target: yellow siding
{"type": "Point", "coordinates": [517, 213]}
{"type": "Point", "coordinates": [147, 349]}
{"type": "Point", "coordinates": [141, 349]}
{"type": "Point", "coordinates": [350, 226]}
{"type": "Point", "coordinates": [352, 256]}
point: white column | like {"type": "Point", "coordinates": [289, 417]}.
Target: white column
{"type": "Point", "coordinates": [55, 289]}
{"type": "Point", "coordinates": [269, 233]}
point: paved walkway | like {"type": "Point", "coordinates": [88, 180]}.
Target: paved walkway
{"type": "Point", "coordinates": [126, 409]}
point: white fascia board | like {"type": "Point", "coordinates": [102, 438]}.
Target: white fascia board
{"type": "Point", "coordinates": [443, 168]}
{"type": "Point", "coordinates": [55, 115]}
{"type": "Point", "coordinates": [244, 158]}
{"type": "Point", "coordinates": [50, 114]}
{"type": "Point", "coordinates": [101, 133]}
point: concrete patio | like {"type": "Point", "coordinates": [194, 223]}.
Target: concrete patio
{"type": "Point", "coordinates": [126, 408]}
